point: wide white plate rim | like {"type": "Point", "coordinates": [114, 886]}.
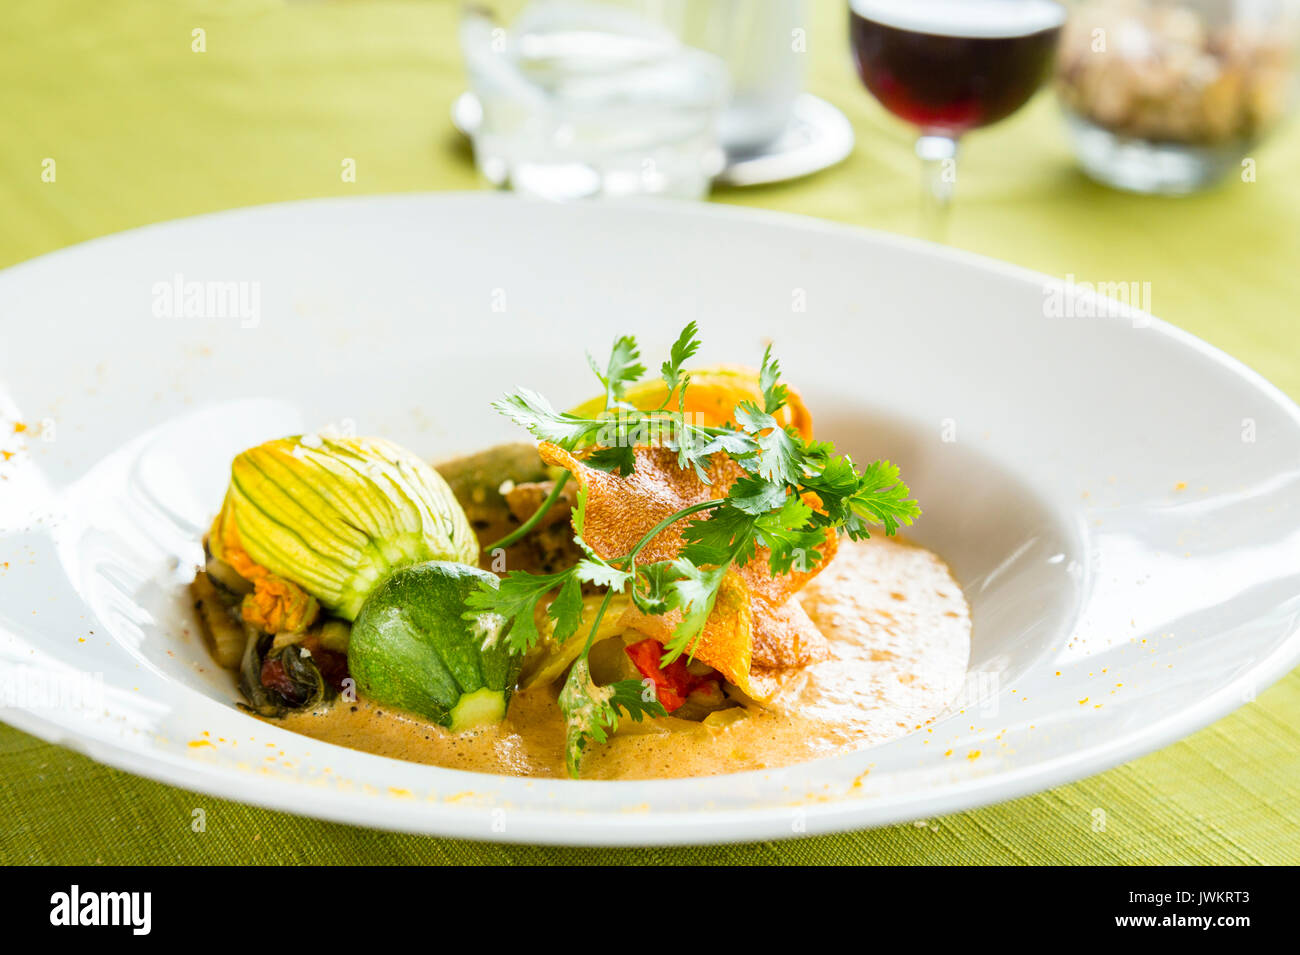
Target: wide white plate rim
{"type": "Point", "coordinates": [698, 827]}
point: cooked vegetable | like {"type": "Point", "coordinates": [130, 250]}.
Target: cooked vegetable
{"type": "Point", "coordinates": [279, 606]}
{"type": "Point", "coordinates": [721, 719]}
{"type": "Point", "coordinates": [301, 675]}
{"type": "Point", "coordinates": [787, 496]}
{"type": "Point", "coordinates": [550, 657]}
{"type": "Point", "coordinates": [224, 576]}
{"type": "Point", "coordinates": [334, 635]}
{"type": "Point", "coordinates": [496, 488]}
{"type": "Point", "coordinates": [225, 633]}
{"type": "Point", "coordinates": [412, 647]}
{"type": "Point", "coordinates": [706, 699]}
{"type": "Point", "coordinates": [672, 682]}
{"type": "Point", "coordinates": [477, 479]}
{"type": "Point", "coordinates": [609, 661]}
{"type": "Point", "coordinates": [314, 519]}
{"type": "Point", "coordinates": [687, 691]}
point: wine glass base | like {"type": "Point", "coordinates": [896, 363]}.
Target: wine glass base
{"type": "Point", "coordinates": [1150, 168]}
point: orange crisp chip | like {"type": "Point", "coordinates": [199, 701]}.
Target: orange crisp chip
{"type": "Point", "coordinates": [784, 635]}
{"type": "Point", "coordinates": [754, 619]}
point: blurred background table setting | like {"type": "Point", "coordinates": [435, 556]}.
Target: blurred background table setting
{"type": "Point", "coordinates": [1104, 140]}
{"type": "Point", "coordinates": [581, 98]}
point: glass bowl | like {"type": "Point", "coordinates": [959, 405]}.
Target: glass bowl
{"type": "Point", "coordinates": [1170, 96]}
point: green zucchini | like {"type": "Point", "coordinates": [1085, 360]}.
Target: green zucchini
{"type": "Point", "coordinates": [410, 648]}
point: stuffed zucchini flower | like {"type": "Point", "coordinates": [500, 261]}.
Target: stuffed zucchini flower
{"type": "Point", "coordinates": [318, 522]}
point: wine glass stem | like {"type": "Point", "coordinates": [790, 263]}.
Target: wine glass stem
{"type": "Point", "coordinates": [938, 155]}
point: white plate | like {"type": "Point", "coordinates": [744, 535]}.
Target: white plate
{"type": "Point", "coordinates": [1120, 503]}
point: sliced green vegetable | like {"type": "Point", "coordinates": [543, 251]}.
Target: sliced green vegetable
{"type": "Point", "coordinates": [412, 648]}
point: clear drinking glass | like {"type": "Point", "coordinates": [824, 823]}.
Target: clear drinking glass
{"type": "Point", "coordinates": [950, 66]}
{"type": "Point", "coordinates": [764, 45]}
{"type": "Point", "coordinates": [584, 98]}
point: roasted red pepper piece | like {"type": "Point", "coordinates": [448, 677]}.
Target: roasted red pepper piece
{"type": "Point", "coordinates": [674, 682]}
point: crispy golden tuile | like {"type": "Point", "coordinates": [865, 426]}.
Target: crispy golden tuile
{"type": "Point", "coordinates": [751, 622]}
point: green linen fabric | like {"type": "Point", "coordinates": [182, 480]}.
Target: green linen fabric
{"type": "Point", "coordinates": [143, 128]}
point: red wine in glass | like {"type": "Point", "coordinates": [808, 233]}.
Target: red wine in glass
{"type": "Point", "coordinates": [949, 66]}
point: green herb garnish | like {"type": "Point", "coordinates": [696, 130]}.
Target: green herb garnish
{"type": "Point", "coordinates": [764, 508]}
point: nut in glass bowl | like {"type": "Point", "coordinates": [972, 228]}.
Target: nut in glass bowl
{"type": "Point", "coordinates": [1162, 96]}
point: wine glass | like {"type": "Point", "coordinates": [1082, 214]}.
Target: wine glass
{"type": "Point", "coordinates": [949, 66]}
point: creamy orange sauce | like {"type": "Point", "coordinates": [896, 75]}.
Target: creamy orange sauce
{"type": "Point", "coordinates": [899, 630]}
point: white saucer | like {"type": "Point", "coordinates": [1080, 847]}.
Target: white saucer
{"type": "Point", "coordinates": [818, 136]}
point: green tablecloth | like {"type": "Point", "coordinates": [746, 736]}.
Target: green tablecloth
{"type": "Point", "coordinates": [142, 128]}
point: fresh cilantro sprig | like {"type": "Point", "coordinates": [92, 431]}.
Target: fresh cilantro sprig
{"type": "Point", "coordinates": [624, 368]}
{"type": "Point", "coordinates": [591, 712]}
{"type": "Point", "coordinates": [771, 506]}
{"type": "Point", "coordinates": [671, 371]}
